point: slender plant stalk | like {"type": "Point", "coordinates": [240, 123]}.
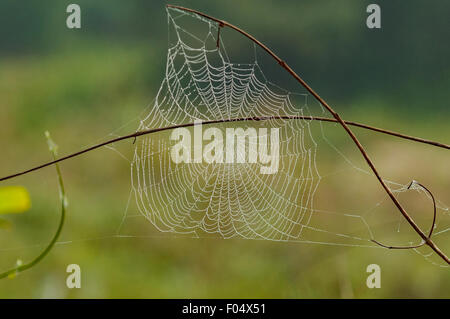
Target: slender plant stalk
{"type": "Point", "coordinates": [20, 268]}
{"type": "Point", "coordinates": [266, 118]}
{"type": "Point", "coordinates": [346, 127]}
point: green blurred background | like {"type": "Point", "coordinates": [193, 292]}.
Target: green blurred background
{"type": "Point", "coordinates": [87, 85]}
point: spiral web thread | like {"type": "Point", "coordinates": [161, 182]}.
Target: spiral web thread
{"type": "Point", "coordinates": [231, 200]}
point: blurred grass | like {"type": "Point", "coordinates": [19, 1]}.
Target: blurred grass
{"type": "Point", "coordinates": [86, 94]}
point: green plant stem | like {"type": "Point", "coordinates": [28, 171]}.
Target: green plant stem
{"type": "Point", "coordinates": [49, 247]}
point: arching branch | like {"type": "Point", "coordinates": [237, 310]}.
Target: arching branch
{"type": "Point", "coordinates": [160, 129]}
{"type": "Point", "coordinates": [344, 125]}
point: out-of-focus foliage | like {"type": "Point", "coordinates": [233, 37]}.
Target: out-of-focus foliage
{"type": "Point", "coordinates": [84, 84]}
{"type": "Point", "coordinates": [325, 40]}
{"type": "Point", "coordinates": [14, 199]}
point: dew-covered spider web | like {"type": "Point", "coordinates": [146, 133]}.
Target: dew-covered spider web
{"type": "Point", "coordinates": [204, 82]}
{"type": "Point", "coordinates": [321, 191]}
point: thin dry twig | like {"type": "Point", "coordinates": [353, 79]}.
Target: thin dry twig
{"type": "Point", "coordinates": [155, 130]}
{"type": "Point", "coordinates": [433, 224]}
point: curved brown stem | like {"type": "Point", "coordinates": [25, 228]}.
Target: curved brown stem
{"type": "Point", "coordinates": [150, 131]}
{"type": "Point", "coordinates": [363, 152]}
{"type": "Point", "coordinates": [433, 224]}
{"type": "Point", "coordinates": [397, 247]}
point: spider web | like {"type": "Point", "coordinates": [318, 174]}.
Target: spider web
{"type": "Point", "coordinates": [229, 200]}
{"type": "Point", "coordinates": [223, 200]}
